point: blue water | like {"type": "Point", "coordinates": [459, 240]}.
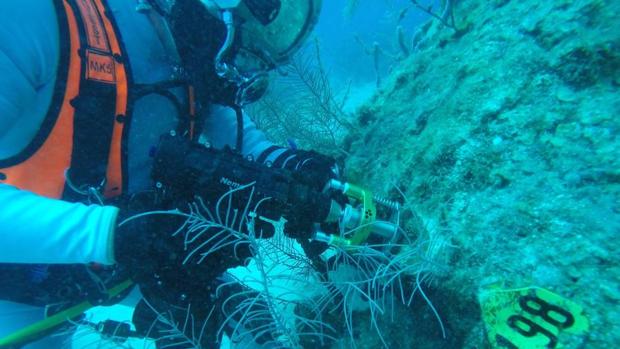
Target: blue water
{"type": "Point", "coordinates": [372, 21]}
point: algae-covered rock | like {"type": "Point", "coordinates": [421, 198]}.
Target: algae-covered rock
{"type": "Point", "coordinates": [507, 136]}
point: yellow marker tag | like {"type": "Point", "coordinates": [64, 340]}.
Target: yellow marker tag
{"type": "Point", "coordinates": [531, 318]}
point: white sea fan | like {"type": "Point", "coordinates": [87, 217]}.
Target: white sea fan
{"type": "Point", "coordinates": [279, 298]}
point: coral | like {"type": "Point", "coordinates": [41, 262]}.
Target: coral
{"type": "Point", "coordinates": [304, 107]}
{"type": "Point", "coordinates": [282, 298]}
{"type": "Point", "coordinates": [503, 137]}
{"type": "Point", "coordinates": [445, 14]}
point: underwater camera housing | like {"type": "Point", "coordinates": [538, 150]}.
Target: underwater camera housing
{"type": "Point", "coordinates": [185, 170]}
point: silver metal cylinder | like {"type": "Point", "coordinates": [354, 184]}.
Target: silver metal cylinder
{"type": "Point", "coordinates": [385, 229]}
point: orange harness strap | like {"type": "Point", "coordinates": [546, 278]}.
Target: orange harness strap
{"type": "Point", "coordinates": [92, 76]}
{"type": "Point", "coordinates": [114, 173]}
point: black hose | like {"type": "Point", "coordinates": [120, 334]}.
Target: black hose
{"type": "Point", "coordinates": [239, 113]}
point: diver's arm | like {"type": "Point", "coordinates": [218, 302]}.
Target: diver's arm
{"type": "Point", "coordinates": [29, 56]}
{"type": "Point", "coordinates": [35, 229]}
{"type": "Point", "coordinates": [221, 130]}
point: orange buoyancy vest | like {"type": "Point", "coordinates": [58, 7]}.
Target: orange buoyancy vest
{"type": "Point", "coordinates": [85, 124]}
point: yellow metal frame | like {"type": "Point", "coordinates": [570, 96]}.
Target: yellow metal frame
{"type": "Point", "coordinates": [368, 212]}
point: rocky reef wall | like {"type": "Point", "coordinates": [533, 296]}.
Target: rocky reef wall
{"type": "Point", "coordinates": [503, 137]}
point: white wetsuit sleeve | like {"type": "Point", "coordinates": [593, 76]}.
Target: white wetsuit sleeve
{"type": "Point", "coordinates": [35, 229]}
{"type": "Point", "coordinates": [220, 128]}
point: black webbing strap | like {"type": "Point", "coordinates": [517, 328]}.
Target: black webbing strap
{"type": "Point", "coordinates": [95, 106]}
{"type": "Point", "coordinates": [279, 161]}
{"type": "Point", "coordinates": [265, 154]}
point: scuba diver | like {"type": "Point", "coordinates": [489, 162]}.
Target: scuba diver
{"type": "Point", "coordinates": [113, 108]}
